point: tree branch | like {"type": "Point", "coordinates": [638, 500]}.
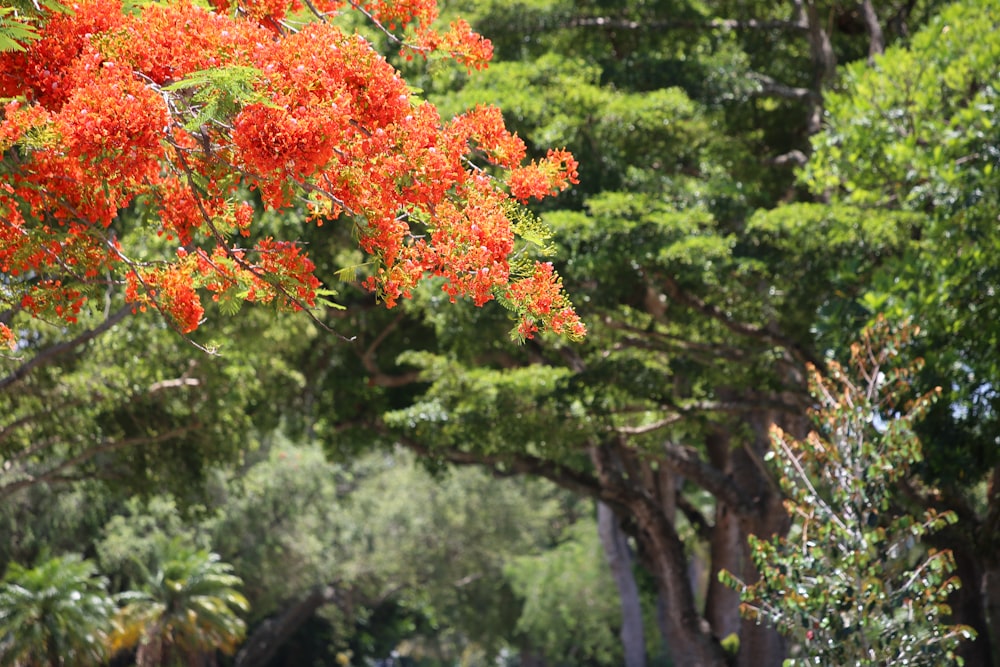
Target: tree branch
{"type": "Point", "coordinates": [876, 40]}
{"type": "Point", "coordinates": [618, 23]}
{"type": "Point", "coordinates": [49, 354]}
{"type": "Point", "coordinates": [376, 378]}
{"type": "Point", "coordinates": [508, 465]}
{"type": "Point", "coordinates": [770, 87]}
{"type": "Point", "coordinates": [701, 525]}
{"type": "Point", "coordinates": [762, 334]}
{"type": "Point", "coordinates": [56, 472]}
{"type": "Point", "coordinates": [264, 642]}
{"type": "Point", "coordinates": [689, 463]}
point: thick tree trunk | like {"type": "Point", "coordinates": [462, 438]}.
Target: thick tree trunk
{"type": "Point", "coordinates": [760, 645]}
{"type": "Point", "coordinates": [267, 638]}
{"type": "Point", "coordinates": [990, 536]}
{"type": "Point", "coordinates": [688, 634]}
{"type": "Point", "coordinates": [624, 486]}
{"type": "Point", "coordinates": [529, 657]}
{"type": "Point", "coordinates": [619, 557]}
{"type": "Point", "coordinates": [725, 551]}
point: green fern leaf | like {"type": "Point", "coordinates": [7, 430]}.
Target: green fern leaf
{"type": "Point", "coordinates": [13, 33]}
{"type": "Point", "coordinates": [219, 93]}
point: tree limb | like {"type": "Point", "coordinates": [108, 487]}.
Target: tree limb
{"type": "Point", "coordinates": [507, 465]}
{"type": "Point", "coordinates": [618, 23]}
{"type": "Point", "coordinates": [876, 40]}
{"type": "Point", "coordinates": [770, 87]}
{"type": "Point", "coordinates": [264, 642]}
{"type": "Point", "coordinates": [49, 354]}
{"type": "Point", "coordinates": [56, 471]}
{"type": "Point", "coordinates": [689, 463]}
{"type": "Point", "coordinates": [762, 334]}
{"type": "Point", "coordinates": [376, 378]}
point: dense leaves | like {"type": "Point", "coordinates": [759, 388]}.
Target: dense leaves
{"type": "Point", "coordinates": [57, 613]}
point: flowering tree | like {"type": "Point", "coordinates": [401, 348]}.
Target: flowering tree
{"type": "Point", "coordinates": [183, 110]}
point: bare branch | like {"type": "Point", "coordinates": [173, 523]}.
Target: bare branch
{"type": "Point", "coordinates": [173, 384]}
{"type": "Point", "coordinates": [617, 23]}
{"type": "Point", "coordinates": [507, 465]}
{"type": "Point", "coordinates": [694, 517]}
{"type": "Point", "coordinates": [770, 87]}
{"type": "Point", "coordinates": [270, 635]}
{"type": "Point", "coordinates": [376, 378]}
{"type": "Point", "coordinates": [649, 428]}
{"type": "Point", "coordinates": [762, 334]}
{"type": "Point", "coordinates": [57, 472]}
{"type": "Point", "coordinates": [793, 158]}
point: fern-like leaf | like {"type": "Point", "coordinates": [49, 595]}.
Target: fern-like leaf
{"type": "Point", "coordinates": [220, 93]}
{"type": "Point", "coordinates": [13, 33]}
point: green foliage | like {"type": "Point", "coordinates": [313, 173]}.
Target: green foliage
{"type": "Point", "coordinates": [14, 33]}
{"type": "Point", "coordinates": [466, 407]}
{"type": "Point", "coordinates": [915, 136]}
{"type": "Point", "coordinates": [851, 583]}
{"type": "Point", "coordinates": [17, 18]}
{"type": "Point", "coordinates": [219, 93]}
{"type": "Point", "coordinates": [187, 606]}
{"type": "Point", "coordinates": [571, 606]}
{"type": "Point", "coordinates": [280, 524]}
{"type": "Point", "coordinates": [442, 542]}
{"type": "Point", "coordinates": [57, 614]}
{"type": "Point", "coordinates": [133, 540]}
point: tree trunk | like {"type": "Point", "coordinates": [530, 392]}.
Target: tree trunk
{"type": "Point", "coordinates": [688, 634]}
{"type": "Point", "coordinates": [529, 657]}
{"type": "Point", "coordinates": [876, 39]}
{"type": "Point", "coordinates": [969, 606]}
{"type": "Point", "coordinates": [725, 551]}
{"type": "Point", "coordinates": [619, 557]}
{"type": "Point", "coordinates": [991, 591]}
{"type": "Point", "coordinates": [990, 537]}
{"type": "Point", "coordinates": [269, 636]}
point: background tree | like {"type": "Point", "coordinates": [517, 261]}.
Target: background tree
{"type": "Point", "coordinates": [911, 139]}
{"type": "Point", "coordinates": [709, 276]}
{"type": "Point", "coordinates": [56, 613]}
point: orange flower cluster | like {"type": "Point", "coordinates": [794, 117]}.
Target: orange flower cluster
{"type": "Point", "coordinates": [172, 290]}
{"type": "Point", "coordinates": [113, 108]}
{"type": "Point", "coordinates": [546, 303]}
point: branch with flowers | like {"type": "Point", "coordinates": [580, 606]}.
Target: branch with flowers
{"type": "Point", "coordinates": [182, 110]}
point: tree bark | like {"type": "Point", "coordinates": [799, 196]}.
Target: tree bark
{"type": "Point", "coordinates": [824, 62]}
{"type": "Point", "coordinates": [619, 557]}
{"type": "Point", "coordinates": [268, 637]}
{"type": "Point", "coordinates": [876, 40]}
{"type": "Point", "coordinates": [990, 536]}
{"type": "Point", "coordinates": [688, 634]}
{"type": "Point", "coordinates": [529, 657]}
{"type": "Point", "coordinates": [725, 551]}
{"type": "Point", "coordinates": [991, 593]}
{"type": "Point", "coordinates": [970, 606]}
